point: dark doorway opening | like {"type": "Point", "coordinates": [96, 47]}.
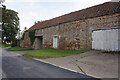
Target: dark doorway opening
{"type": "Point", "coordinates": [39, 42]}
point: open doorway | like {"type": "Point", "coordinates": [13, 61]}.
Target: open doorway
{"type": "Point", "coordinates": [39, 42]}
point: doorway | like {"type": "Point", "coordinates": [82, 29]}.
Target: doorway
{"type": "Point", "coordinates": [39, 42]}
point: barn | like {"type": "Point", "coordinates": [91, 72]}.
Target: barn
{"type": "Point", "coordinates": [73, 30]}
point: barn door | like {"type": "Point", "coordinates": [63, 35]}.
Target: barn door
{"type": "Point", "coordinates": [55, 42]}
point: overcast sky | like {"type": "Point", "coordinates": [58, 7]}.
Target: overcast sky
{"type": "Point", "coordinates": [36, 10]}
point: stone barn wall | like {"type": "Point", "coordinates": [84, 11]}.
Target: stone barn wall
{"type": "Point", "coordinates": [72, 35]}
{"type": "Point", "coordinates": [77, 34]}
{"type": "Point", "coordinates": [74, 30]}
{"type": "Point", "coordinates": [26, 42]}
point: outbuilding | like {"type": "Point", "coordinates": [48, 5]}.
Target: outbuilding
{"type": "Point", "coordinates": [74, 30]}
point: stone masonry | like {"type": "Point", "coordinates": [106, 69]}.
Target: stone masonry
{"type": "Point", "coordinates": [77, 34]}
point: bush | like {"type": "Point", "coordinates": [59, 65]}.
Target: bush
{"type": "Point", "coordinates": [7, 45]}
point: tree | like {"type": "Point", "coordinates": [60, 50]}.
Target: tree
{"type": "Point", "coordinates": [1, 1]}
{"type": "Point", "coordinates": [10, 23]}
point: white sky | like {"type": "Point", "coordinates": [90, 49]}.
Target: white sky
{"type": "Point", "coordinates": [36, 10]}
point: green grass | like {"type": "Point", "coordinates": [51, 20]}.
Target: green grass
{"type": "Point", "coordinates": [0, 45]}
{"type": "Point", "coordinates": [6, 45]}
{"type": "Point", "coordinates": [52, 53]}
{"type": "Point", "coordinates": [18, 49]}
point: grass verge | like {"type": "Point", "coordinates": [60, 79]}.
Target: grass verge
{"type": "Point", "coordinates": [6, 45]}
{"type": "Point", "coordinates": [52, 53]}
{"type": "Point", "coordinates": [0, 45]}
{"type": "Point", "coordinates": [18, 49]}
